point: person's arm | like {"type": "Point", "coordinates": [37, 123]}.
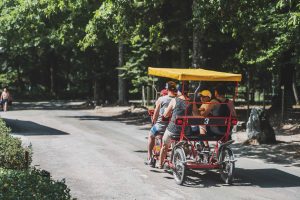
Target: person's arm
{"type": "Point", "coordinates": [208, 109]}
{"type": "Point", "coordinates": [169, 109]}
{"type": "Point", "coordinates": [156, 111]}
{"type": "Point", "coordinates": [232, 109]}
{"type": "Point", "coordinates": [195, 110]}
{"type": "Point", "coordinates": [202, 109]}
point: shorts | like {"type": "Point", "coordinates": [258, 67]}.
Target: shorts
{"type": "Point", "coordinates": [167, 137]}
{"type": "Point", "coordinates": [3, 101]}
{"type": "Point", "coordinates": [157, 128]}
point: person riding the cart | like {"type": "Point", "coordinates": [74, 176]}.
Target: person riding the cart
{"type": "Point", "coordinates": [160, 124]}
{"type": "Point", "coordinates": [178, 106]}
{"type": "Point", "coordinates": [220, 106]}
{"type": "Point", "coordinates": [205, 96]}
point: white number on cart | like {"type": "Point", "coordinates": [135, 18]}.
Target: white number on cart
{"type": "Point", "coordinates": [206, 120]}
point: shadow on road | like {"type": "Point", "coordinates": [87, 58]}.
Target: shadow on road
{"type": "Point", "coordinates": [51, 105]}
{"type": "Point", "coordinates": [281, 153]}
{"type": "Point", "coordinates": [29, 128]}
{"type": "Point", "coordinates": [267, 178]}
{"type": "Point", "coordinates": [264, 178]}
{"type": "Point", "coordinates": [137, 119]}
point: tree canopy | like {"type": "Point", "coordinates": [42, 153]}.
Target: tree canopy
{"type": "Point", "coordinates": [68, 48]}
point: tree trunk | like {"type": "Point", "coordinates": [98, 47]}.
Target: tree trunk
{"type": "Point", "coordinates": [295, 91]}
{"type": "Point", "coordinates": [19, 80]}
{"type": "Point", "coordinates": [197, 59]}
{"type": "Point", "coordinates": [286, 74]}
{"type": "Point", "coordinates": [248, 93]}
{"type": "Point", "coordinates": [121, 81]}
{"type": "Point", "coordinates": [51, 62]}
{"type": "Point", "coordinates": [184, 49]}
{"type": "Point", "coordinates": [286, 79]}
{"type": "Point", "coordinates": [183, 55]}
{"type": "Point", "coordinates": [96, 91]}
{"type": "Point", "coordinates": [51, 80]}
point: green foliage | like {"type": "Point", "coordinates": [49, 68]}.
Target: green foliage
{"type": "Point", "coordinates": [40, 36]}
{"type": "Point", "coordinates": [4, 130]}
{"type": "Point", "coordinates": [19, 182]}
{"type": "Point", "coordinates": [8, 78]}
{"type": "Point", "coordinates": [12, 154]}
{"type": "Point", "coordinates": [141, 26]}
{"type": "Point", "coordinates": [78, 40]}
{"type": "Point", "coordinates": [31, 184]}
{"type": "Point", "coordinates": [276, 31]}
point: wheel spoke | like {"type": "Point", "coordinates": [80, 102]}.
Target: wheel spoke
{"type": "Point", "coordinates": [227, 166]}
{"type": "Point", "coordinates": [179, 168]}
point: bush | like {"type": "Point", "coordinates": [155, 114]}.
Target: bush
{"type": "Point", "coordinates": [12, 154]}
{"type": "Point", "coordinates": [17, 181]}
{"type": "Point", "coordinates": [31, 184]}
{"type": "Point", "coordinates": [4, 130]}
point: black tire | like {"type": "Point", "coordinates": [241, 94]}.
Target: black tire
{"type": "Point", "coordinates": [179, 171]}
{"type": "Point", "coordinates": [227, 165]}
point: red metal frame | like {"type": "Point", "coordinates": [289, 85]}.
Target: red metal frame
{"type": "Point", "coordinates": [228, 121]}
{"type": "Point", "coordinates": [212, 164]}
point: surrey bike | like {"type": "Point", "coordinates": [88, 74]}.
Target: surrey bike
{"type": "Point", "coordinates": [187, 151]}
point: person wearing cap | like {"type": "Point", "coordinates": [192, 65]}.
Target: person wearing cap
{"type": "Point", "coordinates": [215, 108]}
{"type": "Point", "coordinates": [178, 106]}
{"type": "Point", "coordinates": [205, 96]}
{"type": "Point", "coordinates": [160, 124]}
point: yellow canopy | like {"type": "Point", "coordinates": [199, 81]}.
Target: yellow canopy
{"type": "Point", "coordinates": [193, 74]}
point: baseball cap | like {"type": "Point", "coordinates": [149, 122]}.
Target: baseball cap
{"type": "Point", "coordinates": [205, 93]}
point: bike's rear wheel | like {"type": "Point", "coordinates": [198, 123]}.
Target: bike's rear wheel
{"type": "Point", "coordinates": [227, 165]}
{"type": "Point", "coordinates": [179, 171]}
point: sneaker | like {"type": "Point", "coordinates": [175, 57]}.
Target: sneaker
{"type": "Point", "coordinates": [159, 166]}
{"type": "Point", "coordinates": [148, 162]}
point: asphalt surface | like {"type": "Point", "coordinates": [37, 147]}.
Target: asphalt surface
{"type": "Point", "coordinates": [103, 158]}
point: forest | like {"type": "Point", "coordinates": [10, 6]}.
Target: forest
{"type": "Point", "coordinates": [100, 49]}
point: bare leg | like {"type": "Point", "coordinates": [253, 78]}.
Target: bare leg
{"type": "Point", "coordinates": [5, 107]}
{"type": "Point", "coordinates": [203, 132]}
{"type": "Point", "coordinates": [163, 154]}
{"type": "Point", "coordinates": [151, 140]}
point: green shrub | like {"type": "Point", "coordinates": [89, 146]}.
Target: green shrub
{"type": "Point", "coordinates": [18, 182]}
{"type": "Point", "coordinates": [12, 154]}
{"type": "Point", "coordinates": [4, 130]}
{"type": "Point", "coordinates": [31, 184]}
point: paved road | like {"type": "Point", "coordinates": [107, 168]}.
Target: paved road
{"type": "Point", "coordinates": [103, 159]}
